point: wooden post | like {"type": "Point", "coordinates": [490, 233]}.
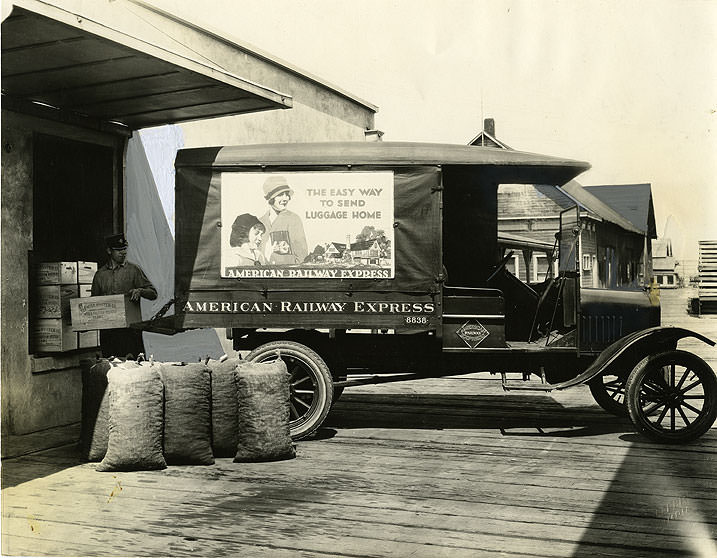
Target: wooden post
{"type": "Point", "coordinates": [527, 257]}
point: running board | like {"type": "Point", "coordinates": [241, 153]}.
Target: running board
{"type": "Point", "coordinates": [525, 384]}
{"type": "Point", "coordinates": [378, 380]}
{"type": "Point", "coordinates": [517, 385]}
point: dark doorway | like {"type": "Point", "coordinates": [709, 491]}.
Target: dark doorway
{"type": "Point", "coordinates": [73, 199]}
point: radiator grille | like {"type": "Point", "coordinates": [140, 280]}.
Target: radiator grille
{"type": "Point", "coordinates": [600, 330]}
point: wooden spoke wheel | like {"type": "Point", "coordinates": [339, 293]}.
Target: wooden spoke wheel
{"type": "Point", "coordinates": [608, 390]}
{"type": "Point", "coordinates": [672, 397]}
{"type": "Point", "coordinates": [310, 385]}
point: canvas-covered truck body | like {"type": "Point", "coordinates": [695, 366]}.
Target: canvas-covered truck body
{"type": "Point", "coordinates": [372, 262]}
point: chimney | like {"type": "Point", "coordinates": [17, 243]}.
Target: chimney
{"type": "Point", "coordinates": [489, 126]}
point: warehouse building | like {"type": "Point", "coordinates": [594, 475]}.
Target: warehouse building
{"type": "Point", "coordinates": [79, 79]}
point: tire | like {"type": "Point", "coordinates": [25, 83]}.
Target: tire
{"type": "Point", "coordinates": [608, 390]}
{"type": "Point", "coordinates": [310, 384]}
{"type": "Point", "coordinates": [672, 397]}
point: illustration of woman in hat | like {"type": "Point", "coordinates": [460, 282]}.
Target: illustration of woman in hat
{"type": "Point", "coordinates": [284, 241]}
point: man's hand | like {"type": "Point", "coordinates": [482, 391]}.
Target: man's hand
{"type": "Point", "coordinates": [135, 294]}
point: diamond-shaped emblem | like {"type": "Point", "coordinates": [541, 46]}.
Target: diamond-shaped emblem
{"type": "Point", "coordinates": [473, 333]}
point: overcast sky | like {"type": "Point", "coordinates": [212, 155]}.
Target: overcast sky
{"type": "Point", "coordinates": [630, 87]}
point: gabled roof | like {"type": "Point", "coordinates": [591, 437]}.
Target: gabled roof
{"type": "Point", "coordinates": [632, 201]}
{"type": "Point", "coordinates": [558, 196]}
{"type": "Point", "coordinates": [630, 209]}
{"type": "Point", "coordinates": [484, 139]}
{"type": "Point", "coordinates": [662, 248]}
{"type": "Point", "coordinates": [355, 246]}
{"type": "Point", "coordinates": [596, 206]}
{"type": "Point", "coordinates": [362, 245]}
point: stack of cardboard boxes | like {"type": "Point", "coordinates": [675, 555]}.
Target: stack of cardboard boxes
{"type": "Point", "coordinates": [56, 283]}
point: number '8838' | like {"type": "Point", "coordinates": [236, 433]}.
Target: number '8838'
{"type": "Point", "coordinates": [415, 320]}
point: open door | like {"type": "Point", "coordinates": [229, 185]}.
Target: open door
{"type": "Point", "coordinates": [569, 264]}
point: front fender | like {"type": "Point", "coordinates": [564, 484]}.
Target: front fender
{"type": "Point", "coordinates": [622, 356]}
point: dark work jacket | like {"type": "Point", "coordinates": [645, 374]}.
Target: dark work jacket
{"type": "Point", "coordinates": [121, 279]}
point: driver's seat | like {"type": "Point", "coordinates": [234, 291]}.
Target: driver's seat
{"type": "Point", "coordinates": [521, 304]}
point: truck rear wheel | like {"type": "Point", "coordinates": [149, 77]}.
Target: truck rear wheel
{"type": "Point", "coordinates": [310, 385]}
{"type": "Point", "coordinates": [672, 397]}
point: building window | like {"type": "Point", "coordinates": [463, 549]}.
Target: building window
{"type": "Point", "coordinates": [540, 267]}
{"type": "Point", "coordinates": [587, 262]}
{"type": "Point", "coordinates": [513, 265]}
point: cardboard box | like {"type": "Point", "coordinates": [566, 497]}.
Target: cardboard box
{"type": "Point", "coordinates": [52, 335]}
{"type": "Point", "coordinates": [104, 312]}
{"type": "Point", "coordinates": [56, 273]}
{"type": "Point", "coordinates": [53, 301]}
{"type": "Point", "coordinates": [86, 271]}
{"type": "Point", "coordinates": [86, 339]}
{"type": "Point", "coordinates": [85, 290]}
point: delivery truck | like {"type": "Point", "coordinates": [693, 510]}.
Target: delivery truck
{"type": "Point", "coordinates": [374, 262]}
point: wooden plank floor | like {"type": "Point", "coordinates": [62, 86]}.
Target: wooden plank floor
{"type": "Point", "coordinates": [429, 468]}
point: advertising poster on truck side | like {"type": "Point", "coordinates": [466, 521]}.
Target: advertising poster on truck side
{"type": "Point", "coordinates": [307, 225]}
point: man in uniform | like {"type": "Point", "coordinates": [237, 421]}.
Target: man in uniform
{"type": "Point", "coordinates": [118, 276]}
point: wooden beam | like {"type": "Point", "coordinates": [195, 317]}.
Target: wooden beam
{"type": "Point", "coordinates": [39, 110]}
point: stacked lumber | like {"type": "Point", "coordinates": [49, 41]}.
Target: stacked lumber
{"type": "Point", "coordinates": [707, 291]}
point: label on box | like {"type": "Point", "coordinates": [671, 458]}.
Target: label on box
{"type": "Point", "coordinates": [104, 312]}
{"type": "Point", "coordinates": [53, 301]}
{"type": "Point", "coordinates": [56, 273]}
{"type": "Point", "coordinates": [53, 335]}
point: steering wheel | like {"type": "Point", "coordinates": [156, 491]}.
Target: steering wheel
{"type": "Point", "coordinates": [501, 265]}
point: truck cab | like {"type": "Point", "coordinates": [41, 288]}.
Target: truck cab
{"type": "Point", "coordinates": [486, 306]}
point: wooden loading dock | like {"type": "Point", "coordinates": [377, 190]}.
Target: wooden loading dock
{"type": "Point", "coordinates": [428, 468]}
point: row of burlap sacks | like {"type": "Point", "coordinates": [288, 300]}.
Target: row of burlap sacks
{"type": "Point", "coordinates": [147, 415]}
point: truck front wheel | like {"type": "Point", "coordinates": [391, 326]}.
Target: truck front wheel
{"type": "Point", "coordinates": [310, 385]}
{"type": "Point", "coordinates": [672, 397]}
{"type": "Point", "coordinates": [608, 390]}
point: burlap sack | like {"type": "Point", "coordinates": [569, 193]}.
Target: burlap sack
{"type": "Point", "coordinates": [224, 407]}
{"type": "Point", "coordinates": [187, 414]}
{"type": "Point", "coordinates": [96, 407]}
{"type": "Point", "coordinates": [95, 410]}
{"type": "Point", "coordinates": [263, 400]}
{"type": "Point", "coordinates": [135, 420]}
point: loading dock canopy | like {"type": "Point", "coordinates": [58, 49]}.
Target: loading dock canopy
{"type": "Point", "coordinates": [109, 70]}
